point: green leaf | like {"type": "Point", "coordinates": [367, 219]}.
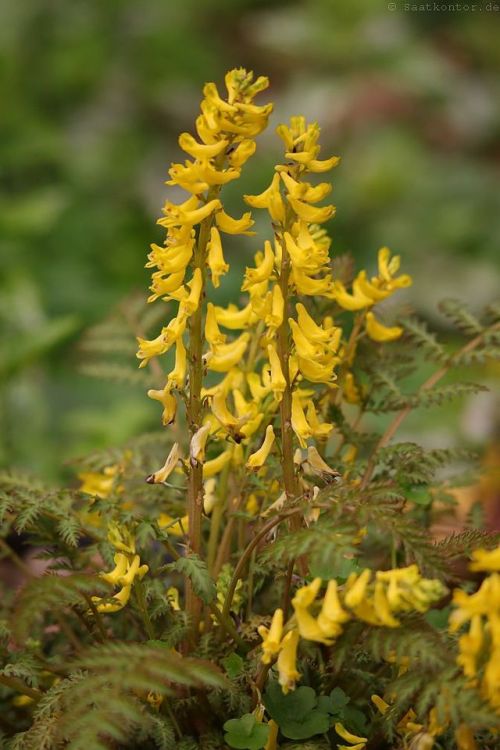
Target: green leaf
{"type": "Point", "coordinates": [233, 664]}
{"type": "Point", "coordinates": [196, 570]}
{"type": "Point", "coordinates": [338, 699]}
{"type": "Point", "coordinates": [438, 618]}
{"type": "Point", "coordinates": [297, 713]}
{"type": "Point", "coordinates": [246, 733]}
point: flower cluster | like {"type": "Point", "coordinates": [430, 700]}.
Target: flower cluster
{"type": "Point", "coordinates": [372, 599]}
{"type": "Point", "coordinates": [479, 648]}
{"type": "Point", "coordinates": [127, 568]}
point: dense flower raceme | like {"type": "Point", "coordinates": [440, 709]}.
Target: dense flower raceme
{"type": "Point", "coordinates": [479, 647]}
{"type": "Point", "coordinates": [241, 343]}
{"type": "Point", "coordinates": [374, 599]}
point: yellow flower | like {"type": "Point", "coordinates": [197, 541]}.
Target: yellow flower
{"type": "Point", "coordinates": [169, 402]}
{"type": "Point", "coordinates": [379, 332]}
{"type": "Point", "coordinates": [223, 357]}
{"type": "Point", "coordinates": [311, 214]}
{"type": "Point", "coordinates": [488, 560]}
{"type": "Point", "coordinates": [173, 598]}
{"type": "Point", "coordinates": [309, 286]}
{"type": "Point", "coordinates": [210, 498]}
{"type": "Point", "coordinates": [173, 526]}
{"type": "Point", "coordinates": [332, 615]}
{"type": "Point", "coordinates": [233, 318]}
{"type": "Point", "coordinates": [220, 409]}
{"type": "Point", "coordinates": [300, 425]}
{"type": "Point", "coordinates": [228, 225]}
{"type": "Point", "coordinates": [198, 444]}
{"type": "Point", "coordinates": [271, 638]}
{"type": "Point", "coordinates": [319, 430]}
{"type": "Point", "coordinates": [98, 483]}
{"type": "Point", "coordinates": [355, 588]}
{"type": "Point", "coordinates": [274, 318]}
{"type": "Point", "coordinates": [119, 601]}
{"type": "Point", "coordinates": [178, 375]}
{"type": "Point", "coordinates": [287, 661]}
{"type": "Point", "coordinates": [272, 741]}
{"type": "Point", "coordinates": [215, 465]}
{"type": "Point", "coordinates": [350, 389]}
{"type": "Point", "coordinates": [270, 199]}
{"type": "Point", "coordinates": [357, 742]}
{"type": "Point", "coordinates": [258, 459]}
{"type": "Point", "coordinates": [215, 257]}
{"type": "Point", "coordinates": [242, 152]}
{"type": "Point", "coordinates": [465, 738]}
{"type": "Point", "coordinates": [188, 213]}
{"type": "Point", "coordinates": [121, 564]}
{"type": "Point", "coordinates": [263, 271]}
{"type": "Point", "coordinates": [278, 382]}
{"type": "Point", "coordinates": [201, 150]}
{"type": "Point", "coordinates": [171, 462]}
{"type": "Point", "coordinates": [355, 301]}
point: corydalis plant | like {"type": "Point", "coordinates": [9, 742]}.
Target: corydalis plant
{"type": "Point", "coordinates": [272, 371]}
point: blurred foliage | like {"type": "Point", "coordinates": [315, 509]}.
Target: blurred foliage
{"type": "Point", "coordinates": [93, 96]}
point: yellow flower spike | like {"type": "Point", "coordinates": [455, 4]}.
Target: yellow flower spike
{"type": "Point", "coordinates": [169, 402]}
{"type": "Point", "coordinates": [226, 356]}
{"type": "Point", "coordinates": [349, 736]}
{"type": "Point", "coordinates": [174, 527]}
{"type": "Point", "coordinates": [379, 332]}
{"type": "Point", "coordinates": [356, 586]}
{"type": "Point", "coordinates": [242, 153]}
{"type": "Point", "coordinates": [173, 598]}
{"type": "Point", "coordinates": [381, 606]}
{"type": "Point", "coordinates": [355, 301]}
{"type": "Point", "coordinates": [212, 331]}
{"type": "Point", "coordinates": [113, 577]}
{"type": "Point", "coordinates": [215, 465]}
{"type": "Point", "coordinates": [278, 382]}
{"type": "Point", "coordinates": [200, 150]}
{"type": "Point", "coordinates": [271, 638]}
{"type": "Point", "coordinates": [287, 662]}
{"type": "Point", "coordinates": [171, 462]}
{"type": "Point", "coordinates": [198, 444]}
{"type": "Point", "coordinates": [275, 318]}
{"type": "Point", "coordinates": [258, 459]}
{"type": "Point", "coordinates": [300, 425]}
{"type": "Point", "coordinates": [210, 498]}
{"type": "Point", "coordinates": [262, 272]}
{"type": "Point", "coordinates": [228, 225]}
{"type": "Point", "coordinates": [487, 560]}
{"type": "Point", "coordinates": [215, 257]}
{"type": "Point", "coordinates": [311, 214]}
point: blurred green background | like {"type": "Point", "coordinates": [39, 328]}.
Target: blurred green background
{"type": "Point", "coordinates": [94, 95]}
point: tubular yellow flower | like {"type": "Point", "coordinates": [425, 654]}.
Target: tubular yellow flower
{"type": "Point", "coordinates": [381, 606]}
{"type": "Point", "coordinates": [228, 225]}
{"type": "Point", "coordinates": [311, 214]}
{"type": "Point", "coordinates": [356, 586]}
{"type": "Point", "coordinates": [178, 375]}
{"type": "Point", "coordinates": [278, 382]}
{"type": "Point", "coordinates": [210, 499]}
{"type": "Point", "coordinates": [275, 317]}
{"type": "Point", "coordinates": [350, 389]}
{"type": "Point", "coordinates": [319, 430]}
{"type": "Point", "coordinates": [355, 301]}
{"type": "Point", "coordinates": [332, 615]}
{"type": "Point", "coordinates": [198, 443]}
{"type": "Point", "coordinates": [188, 213]}
{"type": "Point", "coordinates": [258, 459]}
{"type": "Point", "coordinates": [173, 526]}
{"type": "Point", "coordinates": [487, 560]}
{"type": "Point", "coordinates": [271, 637]}
{"type": "Point", "coordinates": [200, 150]}
{"type": "Point", "coordinates": [215, 257]}
{"type": "Point", "coordinates": [300, 425]}
{"type": "Point", "coordinates": [305, 348]}
{"type": "Point", "coordinates": [121, 564]}
{"type": "Point", "coordinates": [287, 662]}
{"type": "Point", "coordinates": [169, 402]}
{"type": "Point", "coordinates": [224, 357]}
{"type": "Point", "coordinates": [215, 465]}
{"type": "Point", "coordinates": [379, 332]}
{"type": "Point", "coordinates": [349, 736]}
{"type": "Point", "coordinates": [234, 318]}
{"type": "Point", "coordinates": [309, 286]}
{"type": "Point", "coordinates": [263, 271]}
{"type": "Point", "coordinates": [171, 462]}
{"type": "Point", "coordinates": [98, 483]}
{"type": "Point", "coordinates": [212, 332]}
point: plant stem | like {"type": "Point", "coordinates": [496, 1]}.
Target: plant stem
{"type": "Point", "coordinates": [194, 415]}
{"type": "Point", "coordinates": [429, 383]}
{"type": "Point", "coordinates": [216, 519]}
{"type": "Point", "coordinates": [266, 528]}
